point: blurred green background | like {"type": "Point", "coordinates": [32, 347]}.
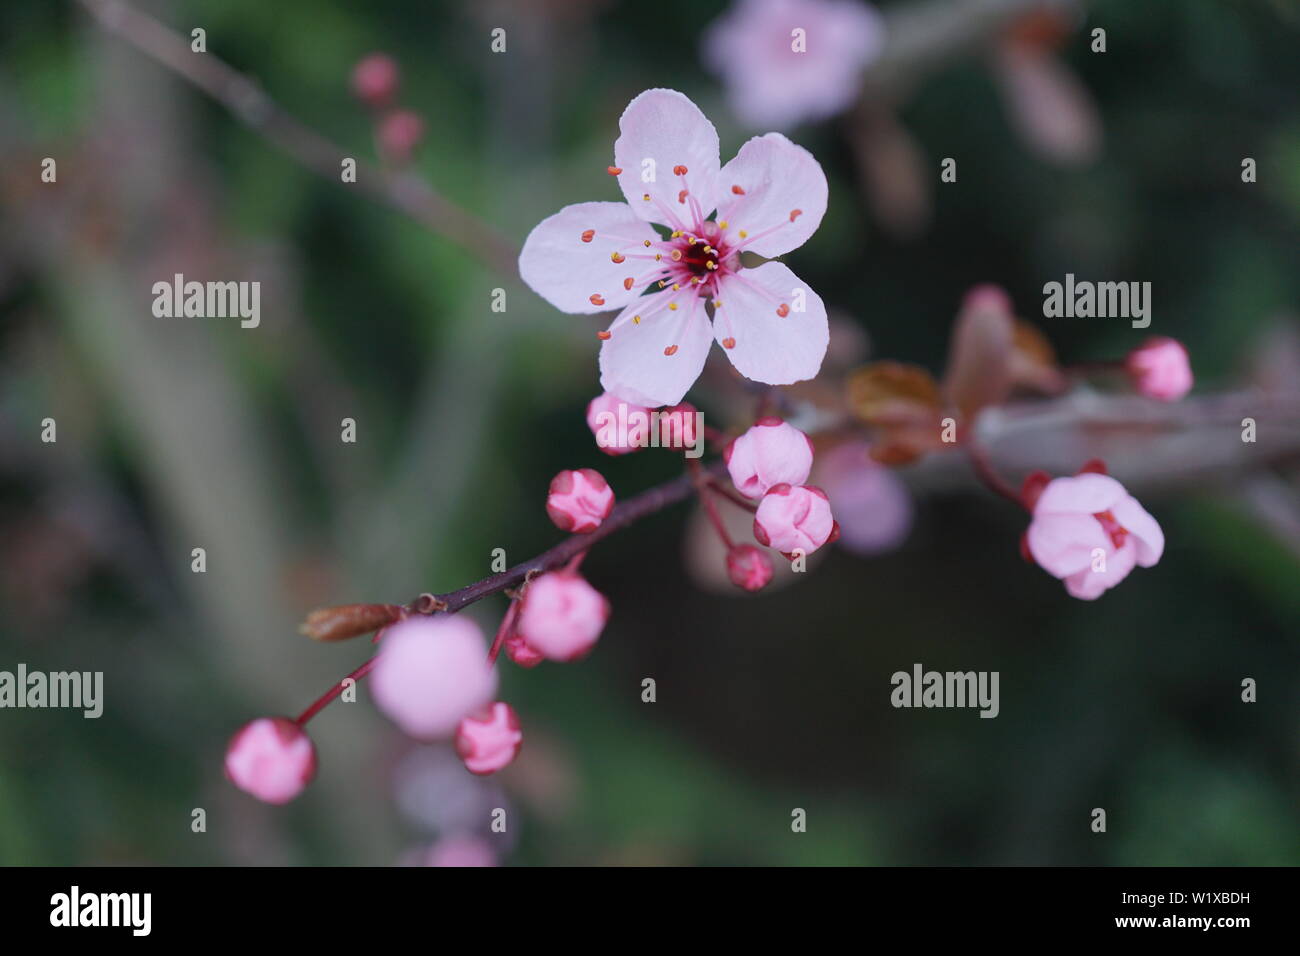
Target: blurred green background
{"type": "Point", "coordinates": [196, 433]}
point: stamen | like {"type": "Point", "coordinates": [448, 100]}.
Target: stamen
{"type": "Point", "coordinates": [672, 349]}
{"type": "Point", "coordinates": [722, 224]}
{"type": "Point", "coordinates": [589, 235]}
{"type": "Point", "coordinates": [603, 335]}
{"type": "Point", "coordinates": [613, 170]}
{"type": "Point", "coordinates": [647, 243]}
{"type": "Point", "coordinates": [737, 190]}
{"type": "Point", "coordinates": [744, 234]}
{"type": "Point", "coordinates": [597, 299]}
{"type": "Point", "coordinates": [627, 283]}
{"type": "Point", "coordinates": [795, 214]}
{"type": "Point", "coordinates": [677, 255]}
{"type": "Point", "coordinates": [616, 257]}
{"type": "Point", "coordinates": [681, 196]}
{"type": "Point", "coordinates": [728, 343]}
{"type": "Point", "coordinates": [783, 310]}
{"type": "Point", "coordinates": [679, 170]}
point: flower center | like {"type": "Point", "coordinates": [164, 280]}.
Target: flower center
{"type": "Point", "coordinates": [1113, 528]}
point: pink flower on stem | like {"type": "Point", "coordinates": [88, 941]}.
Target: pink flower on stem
{"type": "Point", "coordinates": [271, 758]}
{"type": "Point", "coordinates": [794, 518]}
{"type": "Point", "coordinates": [517, 650]}
{"type": "Point", "coordinates": [748, 567]}
{"type": "Point", "coordinates": [786, 61]}
{"type": "Point", "coordinates": [375, 80]}
{"type": "Point", "coordinates": [562, 615]}
{"type": "Point", "coordinates": [770, 453]}
{"type": "Point", "coordinates": [678, 426]}
{"type": "Point", "coordinates": [431, 672]}
{"type": "Point", "coordinates": [398, 133]}
{"type": "Point", "coordinates": [1160, 369]}
{"type": "Point", "coordinates": [579, 501]}
{"type": "Point", "coordinates": [489, 741]}
{"type": "Point", "coordinates": [1089, 532]}
{"type": "Point", "coordinates": [596, 256]}
{"type": "Point", "coordinates": [620, 427]}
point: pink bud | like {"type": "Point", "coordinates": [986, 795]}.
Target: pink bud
{"type": "Point", "coordinates": [271, 758]}
{"type": "Point", "coordinates": [794, 518]}
{"type": "Point", "coordinates": [431, 672]}
{"type": "Point", "coordinates": [562, 615]}
{"type": "Point", "coordinates": [579, 500]}
{"type": "Point", "coordinates": [770, 453]}
{"type": "Point", "coordinates": [620, 427]}
{"type": "Point", "coordinates": [399, 132]}
{"type": "Point", "coordinates": [677, 426]}
{"type": "Point", "coordinates": [517, 650]}
{"type": "Point", "coordinates": [460, 851]}
{"type": "Point", "coordinates": [748, 567]}
{"type": "Point", "coordinates": [488, 741]}
{"type": "Point", "coordinates": [375, 79]}
{"type": "Point", "coordinates": [1160, 369]}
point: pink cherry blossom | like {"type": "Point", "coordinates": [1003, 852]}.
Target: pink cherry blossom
{"type": "Point", "coordinates": [489, 741]}
{"type": "Point", "coordinates": [620, 427]}
{"type": "Point", "coordinates": [271, 758]}
{"type": "Point", "coordinates": [777, 77]}
{"type": "Point", "coordinates": [562, 615]}
{"type": "Point", "coordinates": [375, 79]}
{"type": "Point", "coordinates": [596, 256]}
{"type": "Point", "coordinates": [1160, 369]}
{"type": "Point", "coordinates": [1089, 532]}
{"type": "Point", "coordinates": [517, 650]}
{"type": "Point", "coordinates": [871, 504]}
{"type": "Point", "coordinates": [794, 518]}
{"type": "Point", "coordinates": [748, 567]}
{"type": "Point", "coordinates": [770, 453]}
{"type": "Point", "coordinates": [431, 672]}
{"type": "Point", "coordinates": [579, 501]}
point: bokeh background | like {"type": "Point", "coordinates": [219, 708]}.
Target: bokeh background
{"type": "Point", "coordinates": [175, 434]}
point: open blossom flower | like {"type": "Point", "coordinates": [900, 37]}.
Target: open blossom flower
{"type": "Point", "coordinates": [595, 256]}
{"type": "Point", "coordinates": [489, 741]}
{"type": "Point", "coordinates": [1160, 369]}
{"type": "Point", "coordinates": [579, 501]}
{"type": "Point", "coordinates": [770, 453]}
{"type": "Point", "coordinates": [1089, 532]}
{"type": "Point", "coordinates": [786, 61]}
{"type": "Point", "coordinates": [794, 518]}
{"type": "Point", "coordinates": [431, 672]}
{"type": "Point", "coordinates": [562, 615]}
{"type": "Point", "coordinates": [271, 758]}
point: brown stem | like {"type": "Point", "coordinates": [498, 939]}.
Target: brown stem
{"type": "Point", "coordinates": [403, 191]}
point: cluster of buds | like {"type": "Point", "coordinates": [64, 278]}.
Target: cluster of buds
{"type": "Point", "coordinates": [375, 82]}
{"type": "Point", "coordinates": [770, 464]}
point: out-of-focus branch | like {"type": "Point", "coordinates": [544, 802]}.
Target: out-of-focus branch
{"type": "Point", "coordinates": [405, 192]}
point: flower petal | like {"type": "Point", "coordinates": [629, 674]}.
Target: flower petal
{"type": "Point", "coordinates": [1088, 585]}
{"type": "Point", "coordinates": [1148, 538]}
{"type": "Point", "coordinates": [784, 190]}
{"type": "Point", "coordinates": [566, 258]}
{"type": "Point", "coordinates": [766, 346]}
{"type": "Point", "coordinates": [1062, 544]}
{"type": "Point", "coordinates": [1088, 493]}
{"type": "Point", "coordinates": [633, 360]}
{"type": "Point", "coordinates": [659, 131]}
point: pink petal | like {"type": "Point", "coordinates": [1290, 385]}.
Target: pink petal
{"type": "Point", "coordinates": [633, 365]}
{"type": "Point", "coordinates": [771, 348]}
{"type": "Point", "coordinates": [1083, 494]}
{"type": "Point", "coordinates": [1148, 539]}
{"type": "Point", "coordinates": [1062, 544]}
{"type": "Point", "coordinates": [1088, 585]}
{"type": "Point", "coordinates": [566, 271]}
{"type": "Point", "coordinates": [666, 127]}
{"type": "Point", "coordinates": [779, 178]}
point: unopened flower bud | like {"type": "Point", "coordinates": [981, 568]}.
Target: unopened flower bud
{"type": "Point", "coordinates": [517, 650]}
{"type": "Point", "coordinates": [678, 426]}
{"type": "Point", "coordinates": [399, 132]}
{"type": "Point", "coordinates": [431, 672]}
{"type": "Point", "coordinates": [579, 500]}
{"type": "Point", "coordinates": [794, 518]}
{"type": "Point", "coordinates": [771, 453]}
{"type": "Point", "coordinates": [562, 615]}
{"type": "Point", "coordinates": [348, 620]}
{"type": "Point", "coordinates": [489, 741]}
{"type": "Point", "coordinates": [271, 758]}
{"type": "Point", "coordinates": [1160, 369]}
{"type": "Point", "coordinates": [620, 427]}
{"type": "Point", "coordinates": [375, 80]}
{"type": "Point", "coordinates": [748, 567]}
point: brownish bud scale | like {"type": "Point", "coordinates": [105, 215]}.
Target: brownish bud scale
{"type": "Point", "coordinates": [348, 620]}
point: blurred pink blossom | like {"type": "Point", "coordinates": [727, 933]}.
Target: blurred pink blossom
{"type": "Point", "coordinates": [748, 567]}
{"type": "Point", "coordinates": [271, 758]}
{"type": "Point", "coordinates": [1160, 369]}
{"type": "Point", "coordinates": [787, 61]}
{"type": "Point", "coordinates": [489, 741]}
{"type": "Point", "coordinates": [460, 850]}
{"type": "Point", "coordinates": [431, 672]}
{"type": "Point", "coordinates": [579, 501]}
{"type": "Point", "coordinates": [871, 504]}
{"type": "Point", "coordinates": [562, 615]}
{"type": "Point", "coordinates": [375, 79]}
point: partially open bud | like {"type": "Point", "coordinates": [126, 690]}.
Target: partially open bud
{"type": "Point", "coordinates": [375, 79]}
{"type": "Point", "coordinates": [348, 620]}
{"type": "Point", "coordinates": [271, 758]}
{"type": "Point", "coordinates": [489, 741]}
{"type": "Point", "coordinates": [1160, 369]}
{"type": "Point", "coordinates": [579, 500]}
{"type": "Point", "coordinates": [794, 518]}
{"type": "Point", "coordinates": [562, 615]}
{"type": "Point", "coordinates": [748, 567]}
